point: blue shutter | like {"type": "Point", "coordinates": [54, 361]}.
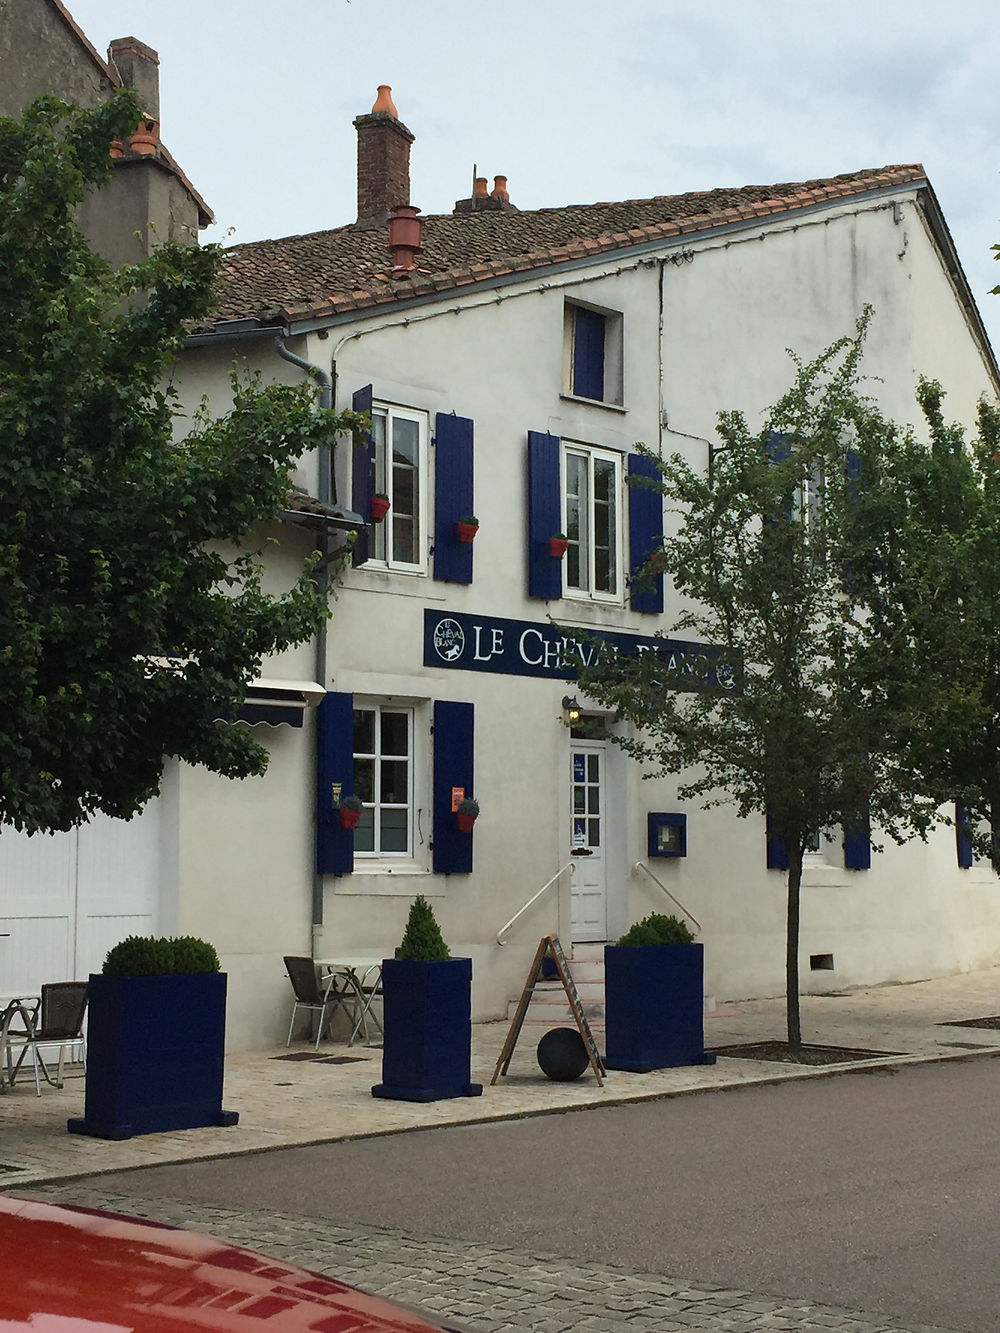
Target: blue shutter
{"type": "Point", "coordinates": [588, 353]}
{"type": "Point", "coordinates": [645, 519]}
{"type": "Point", "coordinates": [852, 470]}
{"type": "Point", "coordinates": [776, 447]}
{"type": "Point", "coordinates": [334, 763]}
{"type": "Point", "coordinates": [544, 515]}
{"type": "Point", "coordinates": [858, 845]}
{"type": "Point", "coordinates": [453, 496]}
{"type": "Point", "coordinates": [777, 850]}
{"type": "Point", "coordinates": [963, 839]}
{"type": "Point", "coordinates": [776, 450]}
{"type": "Point", "coordinates": [362, 478]}
{"type": "Point", "coordinates": [454, 736]}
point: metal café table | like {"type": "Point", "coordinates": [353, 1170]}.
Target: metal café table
{"type": "Point", "coordinates": [359, 980]}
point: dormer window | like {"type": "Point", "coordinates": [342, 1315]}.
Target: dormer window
{"type": "Point", "coordinates": [592, 354]}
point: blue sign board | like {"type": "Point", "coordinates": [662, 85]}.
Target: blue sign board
{"type": "Point", "coordinates": [526, 648]}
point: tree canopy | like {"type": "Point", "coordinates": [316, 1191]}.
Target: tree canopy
{"type": "Point", "coordinates": [132, 607]}
{"type": "Point", "coordinates": [763, 562]}
{"type": "Point", "coordinates": [926, 535]}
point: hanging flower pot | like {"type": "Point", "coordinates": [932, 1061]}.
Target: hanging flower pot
{"type": "Point", "coordinates": [467, 527]}
{"type": "Point", "coordinates": [350, 811]}
{"type": "Point", "coordinates": [379, 505]}
{"type": "Point", "coordinates": [557, 545]}
{"type": "Point", "coordinates": [466, 814]}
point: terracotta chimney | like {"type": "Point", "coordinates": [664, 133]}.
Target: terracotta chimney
{"type": "Point", "coordinates": [499, 190]}
{"type": "Point", "coordinates": [383, 161]}
{"type": "Point", "coordinates": [405, 234]}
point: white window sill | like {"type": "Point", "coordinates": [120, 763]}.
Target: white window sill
{"type": "Point", "coordinates": [593, 402]}
{"type": "Point", "coordinates": [587, 599]}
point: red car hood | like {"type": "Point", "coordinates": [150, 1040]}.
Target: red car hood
{"type": "Point", "coordinates": [74, 1271]}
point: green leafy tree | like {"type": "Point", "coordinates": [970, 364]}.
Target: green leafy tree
{"type": "Point", "coordinates": [761, 562]}
{"type": "Point", "coordinates": [927, 533]}
{"type": "Point", "coordinates": [132, 609]}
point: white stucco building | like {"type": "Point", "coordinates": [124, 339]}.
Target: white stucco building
{"type": "Point", "coordinates": [510, 364]}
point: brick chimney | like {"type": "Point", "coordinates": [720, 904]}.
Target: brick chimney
{"type": "Point", "coordinates": [383, 161]}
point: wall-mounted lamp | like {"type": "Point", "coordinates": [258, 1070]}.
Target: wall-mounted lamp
{"type": "Point", "coordinates": [571, 708]}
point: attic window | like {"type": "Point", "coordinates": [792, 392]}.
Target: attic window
{"type": "Point", "coordinates": [592, 353]}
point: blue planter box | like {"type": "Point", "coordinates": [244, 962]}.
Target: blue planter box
{"type": "Point", "coordinates": [427, 1015]}
{"type": "Point", "coordinates": [654, 1006]}
{"type": "Point", "coordinates": [155, 1053]}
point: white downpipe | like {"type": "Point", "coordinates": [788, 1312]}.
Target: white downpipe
{"type": "Point", "coordinates": [640, 865]}
{"type": "Point", "coordinates": [534, 899]}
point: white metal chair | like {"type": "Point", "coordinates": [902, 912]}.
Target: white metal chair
{"type": "Point", "coordinates": [57, 1020]}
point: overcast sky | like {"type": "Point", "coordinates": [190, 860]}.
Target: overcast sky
{"type": "Point", "coordinates": [574, 101]}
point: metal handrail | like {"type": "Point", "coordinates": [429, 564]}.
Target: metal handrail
{"type": "Point", "coordinates": [640, 865]}
{"type": "Point", "coordinates": [521, 911]}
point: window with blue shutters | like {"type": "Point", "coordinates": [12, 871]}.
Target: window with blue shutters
{"type": "Point", "coordinates": [592, 354]}
{"type": "Point", "coordinates": [409, 763]}
{"type": "Point", "coordinates": [592, 521]}
{"type": "Point", "coordinates": [391, 462]}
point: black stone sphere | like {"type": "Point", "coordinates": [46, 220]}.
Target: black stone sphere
{"type": "Point", "coordinates": [562, 1054]}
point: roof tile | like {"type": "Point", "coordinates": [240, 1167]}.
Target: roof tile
{"type": "Point", "coordinates": [345, 268]}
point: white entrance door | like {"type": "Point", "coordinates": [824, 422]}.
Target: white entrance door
{"type": "Point", "coordinates": [66, 898]}
{"type": "Point", "coordinates": [589, 919]}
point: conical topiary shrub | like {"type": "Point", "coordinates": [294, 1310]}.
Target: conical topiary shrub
{"type": "Point", "coordinates": [422, 940]}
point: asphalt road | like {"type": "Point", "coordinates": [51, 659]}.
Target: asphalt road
{"type": "Point", "coordinates": [873, 1190]}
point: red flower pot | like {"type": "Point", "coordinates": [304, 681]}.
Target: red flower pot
{"type": "Point", "coordinates": [466, 531]}
{"type": "Point", "coordinates": [465, 822]}
{"type": "Point", "coordinates": [379, 508]}
{"type": "Point", "coordinates": [349, 818]}
{"type": "Point", "coordinates": [557, 546]}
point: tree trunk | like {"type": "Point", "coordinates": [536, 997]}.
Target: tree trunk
{"type": "Point", "coordinates": [792, 945]}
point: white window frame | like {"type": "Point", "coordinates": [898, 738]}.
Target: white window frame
{"type": "Point", "coordinates": [809, 496]}
{"type": "Point", "coordinates": [419, 815]}
{"type": "Point", "coordinates": [382, 553]}
{"type": "Point", "coordinates": [593, 455]}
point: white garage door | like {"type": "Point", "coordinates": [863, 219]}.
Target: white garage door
{"type": "Point", "coordinates": [66, 898]}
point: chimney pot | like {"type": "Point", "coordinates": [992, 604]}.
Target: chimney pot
{"type": "Point", "coordinates": [499, 190]}
{"type": "Point", "coordinates": [145, 139]}
{"type": "Point", "coordinates": [480, 189]}
{"type": "Point", "coordinates": [405, 235]}
{"type": "Point", "coordinates": [384, 101]}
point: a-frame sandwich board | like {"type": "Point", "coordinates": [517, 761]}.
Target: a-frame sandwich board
{"type": "Point", "coordinates": [550, 944]}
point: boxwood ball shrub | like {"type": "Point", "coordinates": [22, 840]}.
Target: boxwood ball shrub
{"type": "Point", "coordinates": [658, 929]}
{"type": "Point", "coordinates": [144, 956]}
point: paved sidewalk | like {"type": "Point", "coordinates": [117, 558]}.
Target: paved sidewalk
{"type": "Point", "coordinates": [283, 1102]}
